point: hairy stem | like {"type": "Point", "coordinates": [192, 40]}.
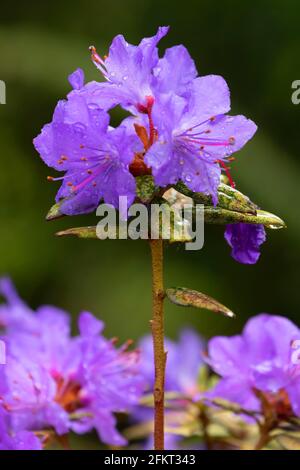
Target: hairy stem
{"type": "Point", "coordinates": [157, 326]}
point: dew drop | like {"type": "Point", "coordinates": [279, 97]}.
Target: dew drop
{"type": "Point", "coordinates": [93, 106]}
{"type": "Point", "coordinates": [79, 129]}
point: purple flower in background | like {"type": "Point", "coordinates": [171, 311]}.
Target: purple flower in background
{"type": "Point", "coordinates": [11, 440]}
{"type": "Point", "coordinates": [94, 157]}
{"type": "Point", "coordinates": [14, 314]}
{"type": "Point", "coordinates": [109, 378]}
{"type": "Point", "coordinates": [261, 358]}
{"type": "Point", "coordinates": [195, 136]}
{"type": "Point", "coordinates": [52, 380]}
{"type": "Point", "coordinates": [245, 241]}
{"type": "Point", "coordinates": [183, 365]}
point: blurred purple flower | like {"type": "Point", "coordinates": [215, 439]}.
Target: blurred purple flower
{"type": "Point", "coordinates": [51, 379]}
{"type": "Point", "coordinates": [183, 364]}
{"type": "Point", "coordinates": [245, 241]}
{"type": "Point", "coordinates": [258, 359]}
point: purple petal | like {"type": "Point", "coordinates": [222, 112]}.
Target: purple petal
{"type": "Point", "coordinates": [89, 325]}
{"type": "Point", "coordinates": [159, 158]}
{"type": "Point", "coordinates": [148, 46]}
{"type": "Point", "coordinates": [262, 339]}
{"type": "Point", "coordinates": [225, 355]}
{"type": "Point", "coordinates": [235, 390]}
{"type": "Point", "coordinates": [178, 64]}
{"type": "Point", "coordinates": [105, 424]}
{"type": "Point", "coordinates": [199, 175]}
{"type": "Point", "coordinates": [294, 395]}
{"type": "Point", "coordinates": [130, 68]}
{"type": "Point", "coordinates": [234, 131]}
{"type": "Point", "coordinates": [210, 97]}
{"type": "Point", "coordinates": [270, 377]}
{"type": "Point", "coordinates": [9, 292]}
{"type": "Point", "coordinates": [189, 360]}
{"type": "Point", "coordinates": [245, 241]}
{"type": "Point", "coordinates": [76, 79]}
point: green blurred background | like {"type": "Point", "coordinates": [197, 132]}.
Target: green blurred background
{"type": "Point", "coordinates": [255, 45]}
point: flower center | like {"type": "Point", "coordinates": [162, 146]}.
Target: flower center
{"type": "Point", "coordinates": [278, 402]}
{"type": "Point", "coordinates": [68, 394]}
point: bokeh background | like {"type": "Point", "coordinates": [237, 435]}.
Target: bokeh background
{"type": "Point", "coordinates": [255, 45]}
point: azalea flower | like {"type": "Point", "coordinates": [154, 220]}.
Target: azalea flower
{"type": "Point", "coordinates": [260, 359]}
{"type": "Point", "coordinates": [195, 136]}
{"type": "Point", "coordinates": [52, 380]}
{"type": "Point", "coordinates": [94, 157]}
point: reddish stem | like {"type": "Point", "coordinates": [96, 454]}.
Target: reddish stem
{"type": "Point", "coordinates": [160, 356]}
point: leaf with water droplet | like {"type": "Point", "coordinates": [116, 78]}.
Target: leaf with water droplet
{"type": "Point", "coordinates": [228, 198]}
{"type": "Point", "coordinates": [216, 215]}
{"type": "Point", "coordinates": [191, 298]}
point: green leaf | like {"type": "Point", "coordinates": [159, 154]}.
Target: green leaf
{"type": "Point", "coordinates": [216, 215]}
{"type": "Point", "coordinates": [54, 212]}
{"type": "Point", "coordinates": [191, 298]}
{"type": "Point", "coordinates": [79, 232]}
{"type": "Point", "coordinates": [233, 207]}
{"type": "Point", "coordinates": [145, 188]}
{"type": "Point", "coordinates": [228, 198]}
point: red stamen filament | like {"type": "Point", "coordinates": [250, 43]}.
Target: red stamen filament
{"type": "Point", "coordinates": [227, 171]}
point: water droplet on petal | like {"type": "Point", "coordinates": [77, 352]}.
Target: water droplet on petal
{"type": "Point", "coordinates": [79, 128]}
{"type": "Point", "coordinates": [93, 106]}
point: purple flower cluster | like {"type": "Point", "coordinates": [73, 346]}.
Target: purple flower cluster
{"type": "Point", "coordinates": [264, 358]}
{"type": "Point", "coordinates": [52, 381]}
{"type": "Point", "coordinates": [179, 128]}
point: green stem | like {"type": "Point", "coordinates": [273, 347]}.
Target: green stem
{"type": "Point", "coordinates": [157, 326]}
